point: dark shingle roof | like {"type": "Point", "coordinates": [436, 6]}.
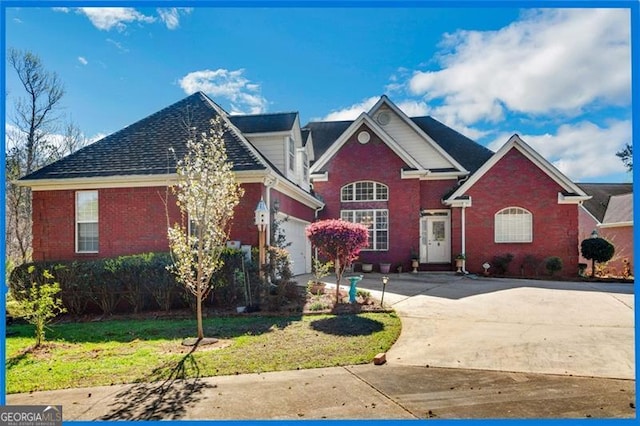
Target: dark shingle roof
{"type": "Point", "coordinates": [600, 195]}
{"type": "Point", "coordinates": [471, 155]}
{"type": "Point", "coordinates": [143, 147]}
{"type": "Point", "coordinates": [325, 134]}
{"type": "Point", "coordinates": [465, 151]}
{"type": "Point", "coordinates": [264, 123]}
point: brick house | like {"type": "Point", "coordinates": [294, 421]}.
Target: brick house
{"type": "Point", "coordinates": [610, 214]}
{"type": "Point", "coordinates": [419, 185]}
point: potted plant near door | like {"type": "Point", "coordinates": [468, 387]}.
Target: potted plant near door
{"type": "Point", "coordinates": [414, 261]}
{"type": "Point", "coordinates": [460, 262]}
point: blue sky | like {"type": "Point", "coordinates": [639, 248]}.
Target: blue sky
{"type": "Point", "coordinates": [561, 78]}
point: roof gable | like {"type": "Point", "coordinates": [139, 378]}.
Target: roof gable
{"type": "Point", "coordinates": [573, 193]}
{"type": "Point", "coordinates": [413, 140]}
{"type": "Point", "coordinates": [144, 147]}
{"type": "Point", "coordinates": [619, 210]}
{"type": "Point", "coordinates": [351, 129]}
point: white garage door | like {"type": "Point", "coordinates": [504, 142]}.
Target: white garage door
{"type": "Point", "coordinates": [300, 247]}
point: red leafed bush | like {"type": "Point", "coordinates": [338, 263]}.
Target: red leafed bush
{"type": "Point", "coordinates": [340, 241]}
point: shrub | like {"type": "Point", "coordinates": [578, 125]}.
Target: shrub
{"type": "Point", "coordinates": [39, 305]}
{"type": "Point", "coordinates": [501, 263]}
{"type": "Point", "coordinates": [597, 250]}
{"type": "Point", "coordinates": [553, 264]}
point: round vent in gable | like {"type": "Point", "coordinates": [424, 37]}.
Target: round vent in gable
{"type": "Point", "coordinates": [364, 137]}
{"type": "Point", "coordinates": [383, 118]}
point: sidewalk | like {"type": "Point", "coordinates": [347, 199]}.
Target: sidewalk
{"type": "Point", "coordinates": [355, 392]}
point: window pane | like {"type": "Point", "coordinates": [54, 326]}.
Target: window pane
{"type": "Point", "coordinates": [87, 237]}
{"type": "Point", "coordinates": [347, 193]}
{"type": "Point", "coordinates": [381, 192]}
{"type": "Point", "coordinates": [513, 225]}
{"type": "Point", "coordinates": [364, 191]}
{"type": "Point", "coordinates": [87, 206]}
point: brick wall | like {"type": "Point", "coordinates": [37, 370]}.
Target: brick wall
{"type": "Point", "coordinates": [516, 182]}
{"type": "Point", "coordinates": [133, 220]}
{"type": "Point", "coordinates": [375, 161]}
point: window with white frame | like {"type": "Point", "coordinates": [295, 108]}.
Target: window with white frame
{"type": "Point", "coordinates": [378, 223]}
{"type": "Point", "coordinates": [305, 167]}
{"type": "Point", "coordinates": [87, 221]}
{"type": "Point", "coordinates": [292, 154]}
{"type": "Point", "coordinates": [364, 191]}
{"type": "Point", "coordinates": [513, 225]}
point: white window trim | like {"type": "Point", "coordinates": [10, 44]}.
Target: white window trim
{"type": "Point", "coordinates": [77, 222]}
{"type": "Point", "coordinates": [512, 241]}
{"type": "Point", "coordinates": [373, 243]}
{"type": "Point", "coordinates": [353, 192]}
{"type": "Point", "coordinates": [291, 153]}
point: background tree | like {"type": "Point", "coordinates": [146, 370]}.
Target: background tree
{"type": "Point", "coordinates": [29, 143]}
{"type": "Point", "coordinates": [340, 242]}
{"type": "Point", "coordinates": [207, 193]}
{"type": "Point", "coordinates": [626, 155]}
{"type": "Point", "coordinates": [597, 250]}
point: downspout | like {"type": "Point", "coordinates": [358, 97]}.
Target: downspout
{"type": "Point", "coordinates": [463, 238]}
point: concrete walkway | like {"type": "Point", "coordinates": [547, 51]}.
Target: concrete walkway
{"type": "Point", "coordinates": [531, 326]}
{"type": "Point", "coordinates": [498, 334]}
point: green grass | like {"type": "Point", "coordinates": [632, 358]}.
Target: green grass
{"type": "Point", "coordinates": [131, 351]}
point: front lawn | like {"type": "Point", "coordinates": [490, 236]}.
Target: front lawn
{"type": "Point", "coordinates": [132, 351]}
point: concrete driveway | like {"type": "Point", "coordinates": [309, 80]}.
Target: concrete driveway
{"type": "Point", "coordinates": [532, 326]}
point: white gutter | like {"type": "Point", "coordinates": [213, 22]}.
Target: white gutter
{"type": "Point", "coordinates": [464, 238]}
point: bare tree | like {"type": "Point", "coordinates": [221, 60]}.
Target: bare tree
{"type": "Point", "coordinates": [626, 156]}
{"type": "Point", "coordinates": [207, 193]}
{"type": "Point", "coordinates": [29, 145]}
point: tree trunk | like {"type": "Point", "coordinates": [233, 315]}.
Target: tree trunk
{"type": "Point", "coordinates": [593, 268]}
{"type": "Point", "coordinates": [338, 276]}
{"type": "Point", "coordinates": [199, 313]}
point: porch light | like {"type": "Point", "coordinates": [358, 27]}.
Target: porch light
{"type": "Point", "coordinates": [385, 280]}
{"type": "Point", "coordinates": [594, 233]}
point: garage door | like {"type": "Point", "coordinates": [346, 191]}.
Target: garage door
{"type": "Point", "coordinates": [300, 247]}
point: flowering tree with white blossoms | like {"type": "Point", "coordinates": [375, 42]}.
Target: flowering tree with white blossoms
{"type": "Point", "coordinates": [207, 193]}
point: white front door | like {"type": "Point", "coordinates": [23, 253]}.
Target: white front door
{"type": "Point", "coordinates": [435, 238]}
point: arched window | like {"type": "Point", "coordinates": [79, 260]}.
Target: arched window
{"type": "Point", "coordinates": [364, 191]}
{"type": "Point", "coordinates": [513, 225]}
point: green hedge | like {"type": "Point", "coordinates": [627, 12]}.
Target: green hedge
{"type": "Point", "coordinates": [133, 283]}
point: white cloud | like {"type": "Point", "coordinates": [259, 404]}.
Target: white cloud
{"type": "Point", "coordinates": [351, 112]}
{"type": "Point", "coordinates": [82, 60]}
{"type": "Point", "coordinates": [582, 151]}
{"type": "Point", "coordinates": [551, 61]}
{"type": "Point", "coordinates": [117, 45]}
{"type": "Point", "coordinates": [106, 18]}
{"type": "Point", "coordinates": [171, 16]}
{"type": "Point", "coordinates": [244, 95]}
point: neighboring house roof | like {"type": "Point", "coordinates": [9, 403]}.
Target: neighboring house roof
{"type": "Point", "coordinates": [601, 194]}
{"type": "Point", "coordinates": [619, 210]}
{"type": "Point", "coordinates": [143, 148]}
{"type": "Point", "coordinates": [264, 123]}
{"type": "Point", "coordinates": [465, 151]}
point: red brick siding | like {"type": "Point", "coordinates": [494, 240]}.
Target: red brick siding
{"type": "Point", "coordinates": [133, 220]}
{"type": "Point", "coordinates": [516, 182]}
{"type": "Point", "coordinates": [292, 207]}
{"type": "Point", "coordinates": [375, 161]}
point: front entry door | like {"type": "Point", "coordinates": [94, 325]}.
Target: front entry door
{"type": "Point", "coordinates": [435, 238]}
